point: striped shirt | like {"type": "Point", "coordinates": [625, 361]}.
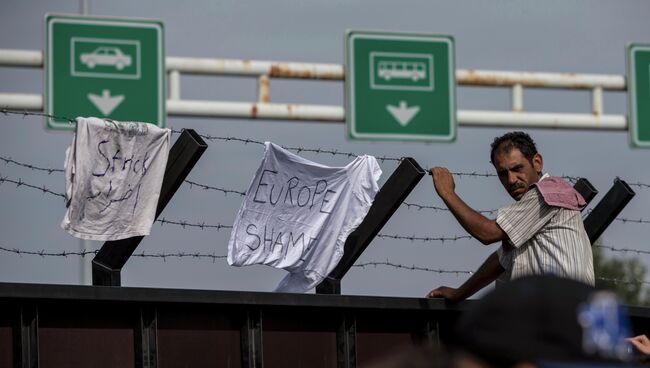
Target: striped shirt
{"type": "Point", "coordinates": [544, 239]}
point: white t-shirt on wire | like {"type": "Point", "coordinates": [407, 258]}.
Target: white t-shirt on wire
{"type": "Point", "coordinates": [297, 215]}
{"type": "Point", "coordinates": [113, 174]}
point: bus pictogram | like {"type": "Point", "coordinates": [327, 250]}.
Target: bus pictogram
{"type": "Point", "coordinates": [401, 71]}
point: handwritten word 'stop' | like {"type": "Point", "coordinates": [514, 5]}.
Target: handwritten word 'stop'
{"type": "Point", "coordinates": [297, 215]}
{"type": "Point", "coordinates": [113, 173]}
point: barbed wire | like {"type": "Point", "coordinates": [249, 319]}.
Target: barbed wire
{"type": "Point", "coordinates": [186, 224]}
{"type": "Point", "coordinates": [623, 250]}
{"type": "Point", "coordinates": [44, 189]}
{"type": "Point", "coordinates": [214, 257]}
{"type": "Point", "coordinates": [163, 255]}
{"type": "Point", "coordinates": [49, 170]}
{"type": "Point", "coordinates": [202, 225]}
{"type": "Point", "coordinates": [226, 191]}
{"type": "Point", "coordinates": [438, 208]}
{"type": "Point", "coordinates": [459, 272]}
{"type": "Point", "coordinates": [298, 150]}
{"type": "Point", "coordinates": [21, 183]}
{"type": "Point", "coordinates": [410, 268]}
{"type": "Point", "coordinates": [209, 187]}
{"type": "Point", "coordinates": [9, 160]}
{"type": "Point", "coordinates": [639, 184]}
{"type": "Point", "coordinates": [43, 253]}
{"type": "Point", "coordinates": [625, 220]}
{"type": "Point", "coordinates": [25, 113]}
{"type": "Point", "coordinates": [625, 282]}
{"type": "Point", "coordinates": [632, 221]}
{"type": "Point", "coordinates": [424, 238]}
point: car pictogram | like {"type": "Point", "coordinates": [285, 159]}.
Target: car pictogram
{"type": "Point", "coordinates": [106, 55]}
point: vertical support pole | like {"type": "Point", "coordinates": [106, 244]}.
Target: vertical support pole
{"type": "Point", "coordinates": [146, 343]}
{"type": "Point", "coordinates": [607, 209]}
{"type": "Point", "coordinates": [517, 98]}
{"type": "Point", "coordinates": [174, 85]}
{"type": "Point", "coordinates": [263, 89]}
{"type": "Point", "coordinates": [386, 202]}
{"type": "Point", "coordinates": [183, 155]}
{"type": "Point", "coordinates": [25, 337]}
{"type": "Point", "coordinates": [346, 342]}
{"type": "Point", "coordinates": [597, 101]}
{"type": "Point", "coordinates": [251, 340]}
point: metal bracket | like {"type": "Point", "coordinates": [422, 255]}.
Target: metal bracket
{"type": "Point", "coordinates": [607, 209]}
{"type": "Point", "coordinates": [388, 199]}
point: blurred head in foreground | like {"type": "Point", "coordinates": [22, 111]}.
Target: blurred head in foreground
{"type": "Point", "coordinates": [543, 321]}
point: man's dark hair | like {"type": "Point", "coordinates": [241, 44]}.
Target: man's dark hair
{"type": "Point", "coordinates": [519, 140]}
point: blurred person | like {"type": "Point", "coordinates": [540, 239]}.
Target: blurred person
{"type": "Point", "coordinates": [541, 233]}
{"type": "Point", "coordinates": [543, 321]}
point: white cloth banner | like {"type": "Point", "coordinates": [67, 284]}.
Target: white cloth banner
{"type": "Point", "coordinates": [113, 174]}
{"type": "Point", "coordinates": [297, 215]}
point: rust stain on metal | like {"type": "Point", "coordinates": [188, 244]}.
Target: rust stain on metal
{"type": "Point", "coordinates": [254, 111]}
{"type": "Point", "coordinates": [290, 110]}
{"type": "Point", "coordinates": [246, 64]}
{"type": "Point", "coordinates": [581, 86]}
{"type": "Point", "coordinates": [264, 89]}
{"type": "Point", "coordinates": [300, 71]}
{"type": "Point", "coordinates": [282, 70]}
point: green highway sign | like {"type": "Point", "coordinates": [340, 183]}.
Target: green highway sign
{"type": "Point", "coordinates": [400, 86]}
{"type": "Point", "coordinates": [104, 67]}
{"type": "Point", "coordinates": [638, 79]}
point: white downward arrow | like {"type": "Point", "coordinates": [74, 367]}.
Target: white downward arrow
{"type": "Point", "coordinates": [106, 103]}
{"type": "Point", "coordinates": [403, 114]}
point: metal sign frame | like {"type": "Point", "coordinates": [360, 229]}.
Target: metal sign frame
{"type": "Point", "coordinates": [351, 108]}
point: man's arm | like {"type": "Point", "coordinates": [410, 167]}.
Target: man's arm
{"type": "Point", "coordinates": [487, 231]}
{"type": "Point", "coordinates": [489, 271]}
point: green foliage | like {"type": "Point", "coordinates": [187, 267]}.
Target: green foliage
{"type": "Point", "coordinates": [622, 275]}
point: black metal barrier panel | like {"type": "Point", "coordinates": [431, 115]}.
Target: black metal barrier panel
{"type": "Point", "coordinates": [98, 326]}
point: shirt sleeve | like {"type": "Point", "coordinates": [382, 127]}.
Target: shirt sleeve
{"type": "Point", "coordinates": [505, 257]}
{"type": "Point", "coordinates": [523, 219]}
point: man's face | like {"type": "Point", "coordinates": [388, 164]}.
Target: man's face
{"type": "Point", "coordinates": [516, 172]}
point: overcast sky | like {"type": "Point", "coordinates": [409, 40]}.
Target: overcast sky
{"type": "Point", "coordinates": [538, 36]}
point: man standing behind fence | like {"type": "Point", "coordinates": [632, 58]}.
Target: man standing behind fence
{"type": "Point", "coordinates": [541, 233]}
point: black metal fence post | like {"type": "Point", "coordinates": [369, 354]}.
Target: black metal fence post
{"type": "Point", "coordinates": [388, 199]}
{"type": "Point", "coordinates": [607, 209]}
{"type": "Point", "coordinates": [586, 190]}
